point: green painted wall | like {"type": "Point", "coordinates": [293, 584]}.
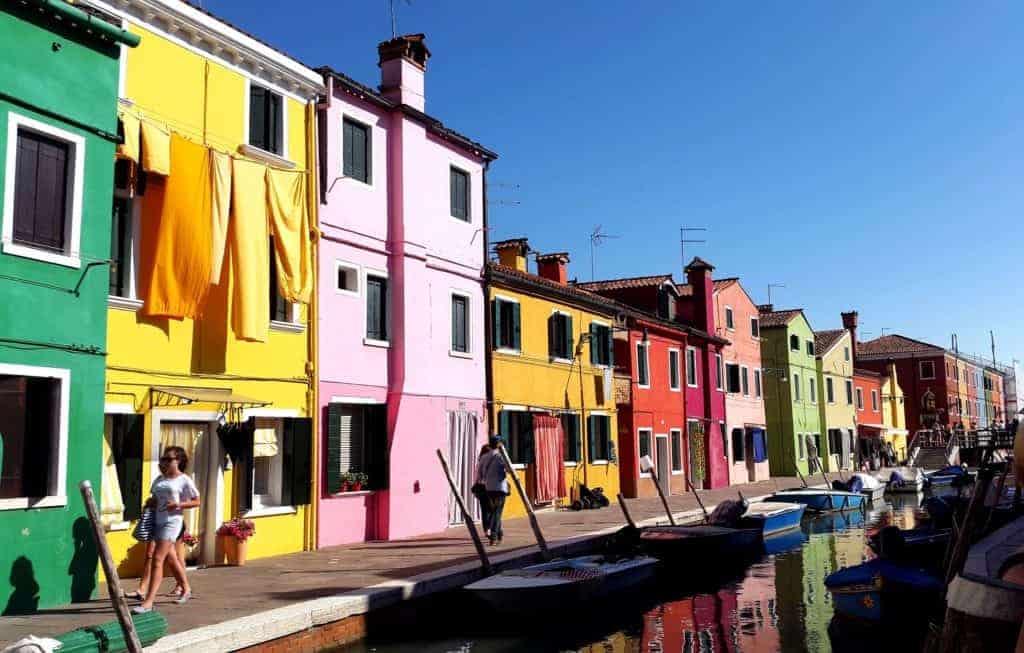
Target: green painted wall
{"type": "Point", "coordinates": [787, 416]}
{"type": "Point", "coordinates": [837, 415]}
{"type": "Point", "coordinates": [47, 556]}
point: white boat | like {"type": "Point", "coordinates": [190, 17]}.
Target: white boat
{"type": "Point", "coordinates": [560, 583]}
{"type": "Point", "coordinates": [871, 487]}
{"type": "Point", "coordinates": [913, 479]}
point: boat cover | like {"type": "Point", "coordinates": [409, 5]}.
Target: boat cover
{"type": "Point", "coordinates": [870, 572]}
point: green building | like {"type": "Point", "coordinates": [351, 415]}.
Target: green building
{"type": "Point", "coordinates": [58, 131]}
{"type": "Point", "coordinates": [790, 390]}
{"type": "Point", "coordinates": [834, 354]}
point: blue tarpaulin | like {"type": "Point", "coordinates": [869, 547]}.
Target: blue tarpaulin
{"type": "Point", "coordinates": [760, 448]}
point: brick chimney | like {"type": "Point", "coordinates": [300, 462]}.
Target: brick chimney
{"type": "Point", "coordinates": [698, 275]}
{"type": "Point", "coordinates": [512, 253]}
{"type": "Point", "coordinates": [403, 64]}
{"type": "Point", "coordinates": [765, 308]}
{"type": "Point", "coordinates": [554, 267]}
{"type": "Point", "coordinates": [850, 324]}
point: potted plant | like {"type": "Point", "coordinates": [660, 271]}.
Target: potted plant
{"type": "Point", "coordinates": [234, 535]}
{"type": "Point", "coordinates": [187, 546]}
{"type": "Point", "coordinates": [346, 481]}
{"type": "Point", "coordinates": [359, 481]}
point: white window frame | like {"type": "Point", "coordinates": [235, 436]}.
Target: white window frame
{"type": "Point", "coordinates": [383, 274]}
{"type": "Point", "coordinates": [57, 478]}
{"type": "Point", "coordinates": [830, 389]}
{"type": "Point", "coordinates": [758, 384]}
{"type": "Point", "coordinates": [719, 373]}
{"type": "Point", "coordinates": [679, 432]}
{"type": "Point", "coordinates": [652, 446]}
{"type": "Point", "coordinates": [851, 395]}
{"type": "Point", "coordinates": [599, 413]}
{"type": "Point", "coordinates": [339, 265]}
{"type": "Point", "coordinates": [859, 397]}
{"type": "Point", "coordinates": [846, 354]}
{"type": "Point", "coordinates": [266, 413]}
{"type": "Point", "coordinates": [730, 316]}
{"type": "Point", "coordinates": [691, 383]}
{"type": "Point", "coordinates": [755, 321]}
{"type": "Point", "coordinates": [572, 341]}
{"type": "Point", "coordinates": [874, 401]}
{"type": "Point", "coordinates": [791, 347]}
{"type": "Point", "coordinates": [801, 446]}
{"type": "Point", "coordinates": [76, 181]}
{"type": "Point", "coordinates": [509, 350]}
{"type": "Point", "coordinates": [646, 348]}
{"type": "Point", "coordinates": [274, 472]}
{"type": "Point", "coordinates": [920, 370]}
{"type": "Point", "coordinates": [456, 292]}
{"type": "Point", "coordinates": [251, 150]}
{"type": "Point", "coordinates": [796, 387]}
{"type": "Point", "coordinates": [341, 148]}
{"type": "Point", "coordinates": [812, 389]}
{"type": "Point", "coordinates": [600, 323]}
{"type": "Point", "coordinates": [452, 164]}
{"type": "Point", "coordinates": [745, 373]}
{"type": "Point", "coordinates": [132, 302]}
{"type": "Point", "coordinates": [809, 347]}
{"type": "Point", "coordinates": [678, 387]}
{"type": "Point", "coordinates": [292, 325]}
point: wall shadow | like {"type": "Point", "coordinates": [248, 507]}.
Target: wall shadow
{"type": "Point", "coordinates": [25, 597]}
{"type": "Point", "coordinates": [83, 563]}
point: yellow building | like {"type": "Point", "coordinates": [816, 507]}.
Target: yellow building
{"type": "Point", "coordinates": [551, 378]}
{"type": "Point", "coordinates": [211, 339]}
{"type": "Point", "coordinates": [893, 415]}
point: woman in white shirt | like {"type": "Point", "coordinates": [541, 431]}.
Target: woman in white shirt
{"type": "Point", "coordinates": [172, 493]}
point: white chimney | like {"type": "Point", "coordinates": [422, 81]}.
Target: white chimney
{"type": "Point", "coordinates": [403, 64]}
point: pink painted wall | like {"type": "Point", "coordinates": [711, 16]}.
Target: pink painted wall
{"type": "Point", "coordinates": [743, 349]}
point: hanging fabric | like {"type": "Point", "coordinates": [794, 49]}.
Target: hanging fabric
{"type": "Point", "coordinates": [111, 500]}
{"type": "Point", "coordinates": [156, 149]}
{"type": "Point", "coordinates": [220, 209]}
{"type": "Point", "coordinates": [760, 454]}
{"type": "Point", "coordinates": [129, 149]}
{"type": "Point", "coordinates": [250, 262]}
{"type": "Point", "coordinates": [289, 221]}
{"type": "Point", "coordinates": [463, 450]}
{"type": "Point", "coordinates": [548, 440]}
{"type": "Point", "coordinates": [177, 227]}
{"type": "Point", "coordinates": [264, 439]}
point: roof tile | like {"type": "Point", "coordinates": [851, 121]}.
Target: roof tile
{"type": "Point", "coordinates": [894, 344]}
{"type": "Point", "coordinates": [825, 340]}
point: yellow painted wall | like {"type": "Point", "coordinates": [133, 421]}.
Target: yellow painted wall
{"type": "Point", "coordinates": [206, 102]}
{"type": "Point", "coordinates": [839, 414]}
{"type": "Point", "coordinates": [531, 379]}
{"type": "Point", "coordinates": [893, 416]}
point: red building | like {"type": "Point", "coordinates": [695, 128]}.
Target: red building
{"type": "Point", "coordinates": [867, 402]}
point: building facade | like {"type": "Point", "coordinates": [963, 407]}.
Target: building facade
{"type": "Point", "coordinates": [894, 412]}
{"type": "Point", "coordinates": [401, 339]}
{"type": "Point", "coordinates": [210, 333]}
{"type": "Point", "coordinates": [58, 112]}
{"type": "Point", "coordinates": [871, 442]}
{"type": "Point", "coordinates": [836, 403]}
{"type": "Point", "coordinates": [922, 371]}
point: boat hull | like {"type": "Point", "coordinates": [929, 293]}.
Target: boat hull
{"type": "Point", "coordinates": [882, 591]}
{"type": "Point", "coordinates": [776, 521]}
{"type": "Point", "coordinates": [676, 545]}
{"type": "Point", "coordinates": [874, 494]}
{"type": "Point", "coordinates": [822, 501]}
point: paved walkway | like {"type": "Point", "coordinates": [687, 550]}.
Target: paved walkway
{"type": "Point", "coordinates": [226, 593]}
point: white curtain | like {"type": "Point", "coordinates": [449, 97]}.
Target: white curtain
{"type": "Point", "coordinates": [203, 449]}
{"type": "Point", "coordinates": [463, 450]}
{"type": "Point", "coordinates": [111, 500]}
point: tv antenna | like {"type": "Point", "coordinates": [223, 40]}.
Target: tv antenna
{"type": "Point", "coordinates": [393, 10]}
{"type": "Point", "coordinates": [596, 238]}
{"type": "Point", "coordinates": [773, 285]}
{"type": "Point", "coordinates": [684, 241]}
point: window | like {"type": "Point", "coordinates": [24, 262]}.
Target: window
{"type": "Point", "coordinates": [729, 323]}
{"type": "Point", "coordinates": [346, 279]}
{"type": "Point", "coordinates": [356, 146]}
{"type": "Point", "coordinates": [860, 399]}
{"type": "Point", "coordinates": [673, 370]}
{"type": "Point", "coordinates": [757, 383]}
{"type": "Point", "coordinates": [644, 446]}
{"type": "Point", "coordinates": [794, 342]}
{"type": "Point", "coordinates": [266, 120]}
{"type": "Point", "coordinates": [666, 304]}
{"type": "Point", "coordinates": [676, 436]}
{"type": "Point", "coordinates": [516, 429]}
{"type": "Point", "coordinates": [42, 209]}
{"type": "Point", "coordinates": [376, 308]}
{"type": "Point", "coordinates": [830, 391]}
{"type": "Point", "coordinates": [560, 339]}
{"type": "Point", "coordinates": [280, 308]}
{"type": "Point", "coordinates": [506, 324]}
{"type": "Point", "coordinates": [599, 438]}
{"type": "Point", "coordinates": [732, 377]}
{"type": "Point", "coordinates": [796, 387]}
{"type": "Point", "coordinates": [34, 414]}
{"type": "Point", "coordinates": [846, 354]}
{"type": "Point", "coordinates": [460, 324]}
{"type": "Point", "coordinates": [122, 234]}
{"type": "Point", "coordinates": [267, 475]}
{"type": "Point", "coordinates": [745, 380]}
{"type": "Point", "coordinates": [643, 377]}
{"type": "Point", "coordinates": [459, 187]}
{"type": "Point", "coordinates": [718, 372]}
{"type": "Point", "coordinates": [956, 372]}
{"type": "Point", "coordinates": [849, 392]}
{"type": "Point", "coordinates": [813, 393]}
{"type": "Point", "coordinates": [121, 496]}
{"type": "Point", "coordinates": [810, 347]}
{"type": "Point", "coordinates": [737, 445]}
{"type": "Point", "coordinates": [801, 446]}
{"type": "Point", "coordinates": [357, 441]}
{"type": "Point", "coordinates": [755, 327]}
{"type": "Point", "coordinates": [600, 344]}
{"type": "Point", "coordinates": [835, 441]}
{"type": "Point", "coordinates": [874, 400]}
{"type": "Point", "coordinates": [691, 367]}
{"type": "Point", "coordinates": [571, 430]}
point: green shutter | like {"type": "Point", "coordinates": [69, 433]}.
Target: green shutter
{"type": "Point", "coordinates": [333, 454]}
{"type": "Point", "coordinates": [245, 471]}
{"type": "Point", "coordinates": [297, 463]}
{"type": "Point", "coordinates": [574, 439]}
{"type": "Point", "coordinates": [526, 437]}
{"type": "Point", "coordinates": [128, 457]}
{"type": "Point", "coordinates": [592, 438]}
{"type": "Point", "coordinates": [516, 338]}
{"type": "Point", "coordinates": [495, 323]}
{"type": "Point", "coordinates": [377, 446]}
{"type": "Point", "coordinates": [570, 342]}
{"type": "Point", "coordinates": [504, 429]}
{"type": "Point", "coordinates": [611, 347]}
{"type": "Point", "coordinates": [554, 350]}
{"type": "Point", "coordinates": [346, 139]}
{"type": "Point", "coordinates": [594, 344]}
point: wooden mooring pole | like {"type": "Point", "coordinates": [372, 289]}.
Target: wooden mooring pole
{"type": "Point", "coordinates": [541, 542]}
{"type": "Point", "coordinates": [625, 510]}
{"type": "Point", "coordinates": [485, 562]}
{"type": "Point", "coordinates": [801, 476]}
{"type": "Point", "coordinates": [131, 638]}
{"type": "Point", "coordinates": [707, 520]}
{"type": "Point", "coordinates": [963, 540]}
{"type": "Point", "coordinates": [646, 462]}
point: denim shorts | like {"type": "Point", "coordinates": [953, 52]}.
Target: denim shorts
{"type": "Point", "coordinates": [169, 531]}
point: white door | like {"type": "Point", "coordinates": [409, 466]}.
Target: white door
{"type": "Point", "coordinates": [663, 460]}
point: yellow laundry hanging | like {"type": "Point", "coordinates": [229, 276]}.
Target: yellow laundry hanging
{"type": "Point", "coordinates": [156, 149]}
{"type": "Point", "coordinates": [176, 216]}
{"type": "Point", "coordinates": [221, 210]}
{"type": "Point", "coordinates": [247, 243]}
{"type": "Point", "coordinates": [129, 149]}
{"type": "Point", "coordinates": [289, 220]}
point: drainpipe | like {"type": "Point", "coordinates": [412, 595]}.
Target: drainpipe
{"type": "Point", "coordinates": [488, 318]}
{"type": "Point", "coordinates": [313, 317]}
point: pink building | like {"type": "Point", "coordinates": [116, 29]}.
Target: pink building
{"type": "Point", "coordinates": [401, 305]}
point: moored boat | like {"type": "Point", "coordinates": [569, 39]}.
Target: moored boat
{"type": "Point", "coordinates": [821, 500]}
{"type": "Point", "coordinates": [870, 487]}
{"type": "Point", "coordinates": [953, 475]}
{"type": "Point", "coordinates": [686, 544]}
{"type": "Point", "coordinates": [883, 590]}
{"type": "Point", "coordinates": [901, 480]}
{"type": "Point", "coordinates": [772, 517]}
{"type": "Point", "coordinates": [923, 546]}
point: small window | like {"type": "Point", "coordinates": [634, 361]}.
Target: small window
{"type": "Point", "coordinates": [506, 332]}
{"type": "Point", "coordinates": [357, 147]}
{"type": "Point", "coordinates": [757, 383]}
{"type": "Point", "coordinates": [796, 387]}
{"type": "Point", "coordinates": [123, 456]}
{"type": "Point", "coordinates": [377, 308]}
{"type": "Point", "coordinates": [846, 353]}
{"type": "Point", "coordinates": [729, 321]}
{"type": "Point", "coordinates": [600, 344]}
{"type": "Point", "coordinates": [732, 377]}
{"type": "Point", "coordinates": [794, 342]}
{"type": "Point", "coordinates": [813, 394]}
{"type": "Point", "coordinates": [347, 279]}
{"type": "Point", "coordinates": [810, 347]}
{"type": "Point", "coordinates": [357, 441]}
{"type": "Point", "coordinates": [31, 414]}
{"type": "Point", "coordinates": [874, 401]}
{"type": "Point", "coordinates": [849, 392]}
{"type": "Point", "coordinates": [460, 323]}
{"type": "Point", "coordinates": [643, 377]}
{"type": "Point", "coordinates": [280, 308]}
{"type": "Point", "coordinates": [644, 443]}
{"type": "Point", "coordinates": [666, 304]}
{"type": "Point", "coordinates": [516, 429]}
{"type": "Point", "coordinates": [928, 372]}
{"type": "Point", "coordinates": [677, 449]}
{"type": "Point", "coordinates": [737, 445]}
{"type": "Point", "coordinates": [673, 370]}
{"type": "Point", "coordinates": [860, 399]}
{"type": "Point", "coordinates": [460, 199]}
{"type": "Point", "coordinates": [691, 367]}
{"type": "Point", "coordinates": [599, 438]}
{"type": "Point", "coordinates": [571, 432]}
{"type": "Point", "coordinates": [560, 337]}
{"type": "Point", "coordinates": [801, 446]}
{"type": "Point", "coordinates": [755, 327]}
{"type": "Point", "coordinates": [266, 120]}
{"type": "Point", "coordinates": [830, 395]}
{"type": "Point", "coordinates": [121, 231]}
{"type": "Point", "coordinates": [719, 373]}
{"type": "Point", "coordinates": [745, 380]}
{"type": "Point", "coordinates": [267, 475]}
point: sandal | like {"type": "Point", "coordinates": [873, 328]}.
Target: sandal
{"type": "Point", "coordinates": [184, 598]}
{"type": "Point", "coordinates": [136, 595]}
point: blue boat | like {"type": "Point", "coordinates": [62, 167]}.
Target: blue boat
{"type": "Point", "coordinates": [953, 475]}
{"type": "Point", "coordinates": [880, 590]}
{"type": "Point", "coordinates": [835, 521]}
{"type": "Point", "coordinates": [821, 500]}
{"type": "Point", "coordinates": [784, 541]}
{"type": "Point", "coordinates": [771, 517]}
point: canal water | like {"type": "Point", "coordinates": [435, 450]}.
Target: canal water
{"type": "Point", "coordinates": [777, 604]}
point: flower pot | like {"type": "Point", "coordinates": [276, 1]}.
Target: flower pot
{"type": "Point", "coordinates": [356, 487]}
{"type": "Point", "coordinates": [236, 551]}
{"type": "Point", "coordinates": [345, 486]}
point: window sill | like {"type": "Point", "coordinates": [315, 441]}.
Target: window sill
{"type": "Point", "coordinates": [692, 385]}
{"type": "Point", "coordinates": [559, 360]}
{"type": "Point", "coordinates": [290, 327]}
{"type": "Point", "coordinates": [21, 503]}
{"type": "Point", "coordinates": [468, 220]}
{"type": "Point", "coordinates": [352, 493]}
{"type": "Point", "coordinates": [26, 251]}
{"type": "Point", "coordinates": [643, 387]}
{"type": "Point", "coordinates": [569, 463]}
{"type": "Point", "coordinates": [270, 511]}
{"type": "Point", "coordinates": [679, 473]}
{"type": "Point", "coordinates": [599, 462]}
{"type": "Point", "coordinates": [117, 526]}
{"type": "Point", "coordinates": [675, 389]}
{"type": "Point", "coordinates": [518, 465]}
{"type": "Point", "coordinates": [370, 342]}
{"type": "Point", "coordinates": [124, 303]}
{"type": "Point", "coordinates": [460, 354]}
{"type": "Point", "coordinates": [508, 352]}
{"type": "Point", "coordinates": [260, 154]}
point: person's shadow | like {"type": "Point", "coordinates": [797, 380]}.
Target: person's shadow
{"type": "Point", "coordinates": [83, 563]}
{"type": "Point", "coordinates": [25, 598]}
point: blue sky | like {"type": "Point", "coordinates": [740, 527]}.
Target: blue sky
{"type": "Point", "coordinates": [867, 155]}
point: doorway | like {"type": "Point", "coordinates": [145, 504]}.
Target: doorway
{"type": "Point", "coordinates": [661, 452]}
{"type": "Point", "coordinates": [748, 444]}
{"type": "Point", "coordinates": [203, 448]}
{"type": "Point", "coordinates": [463, 451]}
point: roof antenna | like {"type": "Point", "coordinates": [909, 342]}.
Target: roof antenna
{"type": "Point", "coordinates": [773, 285]}
{"type": "Point", "coordinates": [394, 16]}
{"type": "Point", "coordinates": [683, 241]}
{"type": "Point", "coordinates": [596, 238]}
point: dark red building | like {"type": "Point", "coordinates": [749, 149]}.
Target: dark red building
{"type": "Point", "coordinates": [927, 381]}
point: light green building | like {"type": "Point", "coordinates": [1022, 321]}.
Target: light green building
{"type": "Point", "coordinates": [834, 360]}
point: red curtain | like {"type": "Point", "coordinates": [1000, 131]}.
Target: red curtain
{"type": "Point", "coordinates": [548, 442]}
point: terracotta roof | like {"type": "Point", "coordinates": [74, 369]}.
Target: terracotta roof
{"type": "Point", "coordinates": [894, 344]}
{"type": "Point", "coordinates": [698, 263]}
{"type": "Point", "coordinates": [857, 371]}
{"type": "Point", "coordinates": [568, 291]}
{"type": "Point", "coordinates": [686, 290]}
{"type": "Point", "coordinates": [825, 340]}
{"type": "Point", "coordinates": [621, 284]}
{"type": "Point", "coordinates": [771, 319]}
